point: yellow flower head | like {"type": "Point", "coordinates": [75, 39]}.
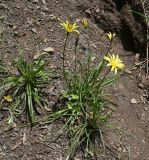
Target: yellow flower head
{"type": "Point", "coordinates": [110, 35]}
{"type": "Point", "coordinates": [69, 28]}
{"type": "Point", "coordinates": [8, 98]}
{"type": "Point", "coordinates": [114, 62]}
{"type": "Point", "coordinates": [85, 22]}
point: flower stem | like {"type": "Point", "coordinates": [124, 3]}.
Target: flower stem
{"type": "Point", "coordinates": [76, 45]}
{"type": "Point", "coordinates": [102, 80]}
{"type": "Point", "coordinates": [64, 53]}
{"type": "Point", "coordinates": [64, 73]}
{"type": "Point", "coordinates": [109, 48]}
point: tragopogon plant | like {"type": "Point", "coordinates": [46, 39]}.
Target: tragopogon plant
{"type": "Point", "coordinates": [84, 108]}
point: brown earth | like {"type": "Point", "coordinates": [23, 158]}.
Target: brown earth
{"type": "Point", "coordinates": [33, 26]}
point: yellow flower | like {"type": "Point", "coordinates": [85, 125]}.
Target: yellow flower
{"type": "Point", "coordinates": [85, 23]}
{"type": "Point", "coordinates": [110, 35]}
{"type": "Point", "coordinates": [8, 98]}
{"type": "Point", "coordinates": [114, 62]}
{"type": "Point", "coordinates": [70, 27]}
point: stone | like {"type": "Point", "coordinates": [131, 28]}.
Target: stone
{"type": "Point", "coordinates": [34, 30]}
{"type": "Point", "coordinates": [133, 101]}
{"type": "Point", "coordinates": [49, 50]}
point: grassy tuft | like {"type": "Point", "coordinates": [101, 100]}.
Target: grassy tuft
{"type": "Point", "coordinates": [22, 90]}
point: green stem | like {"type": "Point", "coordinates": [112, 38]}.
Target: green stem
{"type": "Point", "coordinates": [65, 43]}
{"type": "Point", "coordinates": [104, 76]}
{"type": "Point", "coordinates": [76, 45]}
{"type": "Point", "coordinates": [102, 80]}
{"type": "Point", "coordinates": [109, 48]}
{"type": "Point", "coordinates": [96, 74]}
{"type": "Point", "coordinates": [64, 52]}
{"type": "Point", "coordinates": [88, 48]}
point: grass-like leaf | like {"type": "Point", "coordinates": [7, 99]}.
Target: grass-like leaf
{"type": "Point", "coordinates": [25, 86]}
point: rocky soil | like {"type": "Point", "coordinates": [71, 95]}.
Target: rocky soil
{"type": "Point", "coordinates": [32, 25]}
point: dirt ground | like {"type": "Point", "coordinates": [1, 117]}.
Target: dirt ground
{"type": "Point", "coordinates": [32, 25]}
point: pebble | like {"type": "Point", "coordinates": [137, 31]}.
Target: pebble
{"type": "Point", "coordinates": [143, 141]}
{"type": "Point", "coordinates": [52, 17]}
{"type": "Point", "coordinates": [34, 30]}
{"type": "Point", "coordinates": [49, 50]}
{"type": "Point", "coordinates": [137, 58]}
{"type": "Point", "coordinates": [140, 85]}
{"type": "Point", "coordinates": [43, 1]}
{"type": "Point", "coordinates": [36, 1]}
{"type": "Point", "coordinates": [133, 101]}
{"type": "Point", "coordinates": [16, 33]}
{"type": "Point", "coordinates": [88, 11]}
{"type": "Point", "coordinates": [14, 27]}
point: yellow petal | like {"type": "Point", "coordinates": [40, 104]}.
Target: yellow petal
{"type": "Point", "coordinates": [85, 23]}
{"type": "Point", "coordinates": [77, 31]}
{"type": "Point", "coordinates": [112, 68]}
{"type": "Point", "coordinates": [115, 70]}
{"type": "Point", "coordinates": [109, 64]}
{"type": "Point", "coordinates": [107, 58]}
{"type": "Point", "coordinates": [121, 65]}
{"type": "Point", "coordinates": [113, 56]}
{"type": "Point", "coordinates": [110, 35]}
{"type": "Point", "coordinates": [8, 98]}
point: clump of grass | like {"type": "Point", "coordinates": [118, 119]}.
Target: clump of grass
{"type": "Point", "coordinates": [84, 108]}
{"type": "Point", "coordinates": [22, 91]}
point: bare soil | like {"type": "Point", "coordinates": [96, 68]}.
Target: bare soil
{"type": "Point", "coordinates": [32, 25]}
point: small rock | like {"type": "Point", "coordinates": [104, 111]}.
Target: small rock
{"type": "Point", "coordinates": [119, 149]}
{"type": "Point", "coordinates": [143, 141]}
{"type": "Point", "coordinates": [134, 101]}
{"type": "Point", "coordinates": [36, 1]}
{"type": "Point", "coordinates": [49, 50]}
{"type": "Point", "coordinates": [52, 17]}
{"type": "Point", "coordinates": [97, 10]}
{"type": "Point", "coordinates": [16, 33]}
{"type": "Point", "coordinates": [140, 85]}
{"type": "Point", "coordinates": [14, 27]}
{"type": "Point", "coordinates": [137, 58]}
{"type": "Point", "coordinates": [51, 30]}
{"type": "Point", "coordinates": [88, 11]}
{"type": "Point", "coordinates": [34, 30]}
{"type": "Point", "coordinates": [43, 1]}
